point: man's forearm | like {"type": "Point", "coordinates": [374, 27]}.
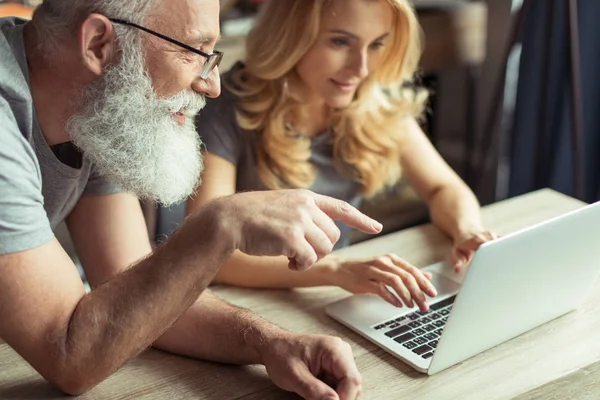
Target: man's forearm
{"type": "Point", "coordinates": [214, 330]}
{"type": "Point", "coordinates": [129, 312]}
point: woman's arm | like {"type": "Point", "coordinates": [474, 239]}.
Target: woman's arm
{"type": "Point", "coordinates": [452, 205]}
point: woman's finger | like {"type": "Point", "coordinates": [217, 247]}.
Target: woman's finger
{"type": "Point", "coordinates": [394, 282]}
{"type": "Point", "coordinates": [382, 291]}
{"type": "Point", "coordinates": [423, 283]}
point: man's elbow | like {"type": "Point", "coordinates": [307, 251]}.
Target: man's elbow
{"type": "Point", "coordinates": [71, 385]}
{"type": "Point", "coordinates": [75, 381]}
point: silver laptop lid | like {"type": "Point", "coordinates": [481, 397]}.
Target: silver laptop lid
{"type": "Point", "coordinates": [521, 281]}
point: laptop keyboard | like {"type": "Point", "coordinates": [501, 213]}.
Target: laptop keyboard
{"type": "Point", "coordinates": [419, 331]}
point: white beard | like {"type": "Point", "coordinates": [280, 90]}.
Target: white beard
{"type": "Point", "coordinates": [131, 137]}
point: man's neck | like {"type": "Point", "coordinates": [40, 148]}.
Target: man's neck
{"type": "Point", "coordinates": [51, 91]}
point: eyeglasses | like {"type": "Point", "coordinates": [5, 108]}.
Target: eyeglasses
{"type": "Point", "coordinates": [212, 60]}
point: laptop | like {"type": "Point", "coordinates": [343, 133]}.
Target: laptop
{"type": "Point", "coordinates": [513, 285]}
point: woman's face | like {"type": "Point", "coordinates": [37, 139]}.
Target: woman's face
{"type": "Point", "coordinates": [350, 45]}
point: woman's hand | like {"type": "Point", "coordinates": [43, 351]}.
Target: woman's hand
{"type": "Point", "coordinates": [465, 246]}
{"type": "Point", "coordinates": [374, 275]}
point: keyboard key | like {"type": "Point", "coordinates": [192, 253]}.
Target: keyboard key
{"type": "Point", "coordinates": [438, 332]}
{"type": "Point", "coordinates": [397, 331]}
{"type": "Point", "coordinates": [427, 355]}
{"type": "Point", "coordinates": [431, 336]}
{"type": "Point", "coordinates": [414, 324]}
{"type": "Point", "coordinates": [378, 327]}
{"type": "Point", "coordinates": [439, 323]}
{"type": "Point", "coordinates": [425, 320]}
{"type": "Point", "coordinates": [443, 303]}
{"type": "Point", "coordinates": [445, 312]}
{"type": "Point", "coordinates": [401, 320]}
{"type": "Point", "coordinates": [433, 343]}
{"type": "Point", "coordinates": [388, 323]}
{"type": "Point", "coordinates": [394, 325]}
{"type": "Point", "coordinates": [434, 316]}
{"type": "Point", "coordinates": [429, 327]}
{"type": "Point", "coordinates": [419, 331]}
{"type": "Point", "coordinates": [410, 345]}
{"type": "Point", "coordinates": [413, 316]}
{"type": "Point", "coordinates": [444, 319]}
{"type": "Point", "coordinates": [420, 340]}
{"type": "Point", "coordinates": [405, 337]}
{"type": "Point", "coordinates": [422, 350]}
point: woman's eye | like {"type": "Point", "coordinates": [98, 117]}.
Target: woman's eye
{"type": "Point", "coordinates": [376, 45]}
{"type": "Point", "coordinates": [340, 42]}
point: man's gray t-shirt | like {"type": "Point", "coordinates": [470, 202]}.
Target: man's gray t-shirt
{"type": "Point", "coordinates": [222, 136]}
{"type": "Point", "coordinates": [37, 190]}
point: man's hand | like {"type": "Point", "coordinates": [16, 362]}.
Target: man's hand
{"type": "Point", "coordinates": [313, 366]}
{"type": "Point", "coordinates": [295, 223]}
{"type": "Point", "coordinates": [465, 246]}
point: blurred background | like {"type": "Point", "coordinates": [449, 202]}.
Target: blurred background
{"type": "Point", "coordinates": [514, 105]}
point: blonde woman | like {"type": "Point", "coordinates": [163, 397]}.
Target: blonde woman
{"type": "Point", "coordinates": [321, 102]}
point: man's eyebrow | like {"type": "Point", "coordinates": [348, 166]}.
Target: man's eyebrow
{"type": "Point", "coordinates": [202, 39]}
{"type": "Point", "coordinates": [355, 37]}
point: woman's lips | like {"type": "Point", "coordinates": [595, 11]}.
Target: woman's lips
{"type": "Point", "coordinates": [344, 87]}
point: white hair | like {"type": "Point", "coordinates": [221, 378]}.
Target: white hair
{"type": "Point", "coordinates": [57, 20]}
{"type": "Point", "coordinates": [130, 135]}
{"type": "Point", "coordinates": [120, 124]}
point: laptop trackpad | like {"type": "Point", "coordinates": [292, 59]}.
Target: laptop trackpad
{"type": "Point", "coordinates": [443, 285]}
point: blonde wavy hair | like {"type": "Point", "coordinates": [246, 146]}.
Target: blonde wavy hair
{"type": "Point", "coordinates": [367, 135]}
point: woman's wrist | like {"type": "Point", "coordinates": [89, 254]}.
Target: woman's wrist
{"type": "Point", "coordinates": [467, 231]}
{"type": "Point", "coordinates": [327, 268]}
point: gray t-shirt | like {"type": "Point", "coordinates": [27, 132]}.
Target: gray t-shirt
{"type": "Point", "coordinates": [37, 190]}
{"type": "Point", "coordinates": [222, 136]}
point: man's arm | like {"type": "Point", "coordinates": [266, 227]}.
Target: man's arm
{"type": "Point", "coordinates": [211, 329]}
{"type": "Point", "coordinates": [76, 340]}
{"type": "Point", "coordinates": [110, 235]}
{"type": "Point", "coordinates": [214, 330]}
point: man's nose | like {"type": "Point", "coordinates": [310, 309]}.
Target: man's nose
{"type": "Point", "coordinates": [209, 87]}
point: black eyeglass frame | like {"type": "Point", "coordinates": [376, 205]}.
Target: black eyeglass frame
{"type": "Point", "coordinates": [212, 60]}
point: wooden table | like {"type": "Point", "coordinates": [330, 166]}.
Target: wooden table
{"type": "Point", "coordinates": [556, 361]}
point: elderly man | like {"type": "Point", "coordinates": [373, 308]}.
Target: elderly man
{"type": "Point", "coordinates": [96, 106]}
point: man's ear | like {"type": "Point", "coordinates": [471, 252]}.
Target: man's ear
{"type": "Point", "coordinates": [97, 44]}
